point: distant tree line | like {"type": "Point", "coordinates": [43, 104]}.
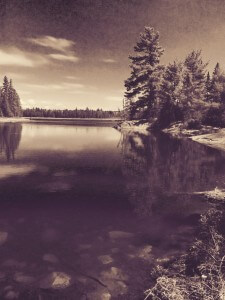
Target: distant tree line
{"type": "Point", "coordinates": [66, 113]}
{"type": "Point", "coordinates": [181, 91]}
{"type": "Point", "coordinates": [9, 100]}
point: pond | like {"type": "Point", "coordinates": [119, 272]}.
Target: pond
{"type": "Point", "coordinates": [86, 212]}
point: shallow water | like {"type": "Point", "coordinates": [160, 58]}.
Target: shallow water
{"type": "Point", "coordinates": [100, 206]}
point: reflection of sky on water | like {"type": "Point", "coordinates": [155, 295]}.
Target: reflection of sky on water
{"type": "Point", "coordinates": [13, 170]}
{"type": "Point", "coordinates": [67, 138]}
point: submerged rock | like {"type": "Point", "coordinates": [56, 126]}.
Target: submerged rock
{"type": "Point", "coordinates": [105, 259]}
{"type": "Point", "coordinates": [2, 275]}
{"type": "Point", "coordinates": [120, 234]}
{"type": "Point", "coordinates": [113, 273]}
{"type": "Point", "coordinates": [25, 279]}
{"type": "Point", "coordinates": [56, 280]}
{"type": "Point", "coordinates": [145, 252]}
{"type": "Point", "coordinates": [12, 263]}
{"type": "Point", "coordinates": [3, 237]}
{"type": "Point", "coordinates": [84, 246]}
{"type": "Point", "coordinates": [50, 235]}
{"type": "Point", "coordinates": [11, 295]}
{"type": "Point", "coordinates": [99, 294]}
{"type": "Point", "coordinates": [50, 258]}
{"type": "Point", "coordinates": [116, 287]}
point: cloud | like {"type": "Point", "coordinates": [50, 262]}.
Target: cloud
{"type": "Point", "coordinates": [15, 57]}
{"type": "Point", "coordinates": [59, 44]}
{"type": "Point", "coordinates": [63, 57]}
{"type": "Point", "coordinates": [115, 98]}
{"type": "Point", "coordinates": [109, 60]}
{"type": "Point", "coordinates": [72, 77]}
{"type": "Point", "coordinates": [61, 86]}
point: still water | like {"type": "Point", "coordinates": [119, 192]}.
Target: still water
{"type": "Point", "coordinates": [95, 207]}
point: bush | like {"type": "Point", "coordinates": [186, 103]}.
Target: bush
{"type": "Point", "coordinates": [205, 259]}
{"type": "Point", "coordinates": [215, 116]}
{"type": "Point", "coordinates": [168, 114]}
{"type": "Point", "coordinates": [193, 124]}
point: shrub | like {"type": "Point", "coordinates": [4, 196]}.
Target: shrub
{"type": "Point", "coordinates": [215, 116]}
{"type": "Point", "coordinates": [168, 114]}
{"type": "Point", "coordinates": [193, 124]}
{"type": "Point", "coordinates": [199, 274]}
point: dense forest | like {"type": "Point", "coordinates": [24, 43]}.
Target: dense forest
{"type": "Point", "coordinates": [76, 113]}
{"type": "Point", "coordinates": [181, 91]}
{"type": "Point", "coordinates": [9, 100]}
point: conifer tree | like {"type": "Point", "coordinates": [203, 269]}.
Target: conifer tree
{"type": "Point", "coordinates": [5, 98]}
{"type": "Point", "coordinates": [218, 84]}
{"type": "Point", "coordinates": [143, 84]}
{"type": "Point", "coordinates": [14, 101]}
{"type": "Point", "coordinates": [170, 93]}
{"type": "Point", "coordinates": [194, 86]}
{"type": "Point", "coordinates": [208, 85]}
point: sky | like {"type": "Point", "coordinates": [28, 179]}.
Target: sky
{"type": "Point", "coordinates": [63, 54]}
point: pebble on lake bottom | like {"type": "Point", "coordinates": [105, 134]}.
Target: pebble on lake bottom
{"type": "Point", "coordinates": [11, 295]}
{"type": "Point", "coordinates": [120, 235]}
{"type": "Point", "coordinates": [24, 279]}
{"type": "Point", "coordinates": [56, 280]}
{"type": "Point", "coordinates": [3, 237]}
{"type": "Point", "coordinates": [50, 258]}
{"type": "Point", "coordinates": [105, 259]}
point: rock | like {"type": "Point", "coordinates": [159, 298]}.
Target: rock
{"type": "Point", "coordinates": [113, 273]}
{"type": "Point", "coordinates": [163, 260]}
{"type": "Point", "coordinates": [84, 246]}
{"type": "Point", "coordinates": [2, 275]}
{"type": "Point", "coordinates": [99, 293]}
{"type": "Point", "coordinates": [120, 235]}
{"type": "Point", "coordinates": [11, 295]}
{"type": "Point", "coordinates": [25, 279]}
{"type": "Point", "coordinates": [105, 259]}
{"type": "Point", "coordinates": [116, 287]}
{"type": "Point", "coordinates": [8, 288]}
{"type": "Point", "coordinates": [50, 235]}
{"type": "Point", "coordinates": [115, 250]}
{"type": "Point", "coordinates": [82, 279]}
{"type": "Point", "coordinates": [145, 252]}
{"type": "Point", "coordinates": [3, 237]}
{"type": "Point", "coordinates": [12, 263]}
{"type": "Point", "coordinates": [85, 256]}
{"type": "Point", "coordinates": [56, 280]}
{"type": "Point", "coordinates": [50, 258]}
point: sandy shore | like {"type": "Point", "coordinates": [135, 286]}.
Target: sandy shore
{"type": "Point", "coordinates": [215, 140]}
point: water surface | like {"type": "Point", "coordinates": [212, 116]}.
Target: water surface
{"type": "Point", "coordinates": [98, 205]}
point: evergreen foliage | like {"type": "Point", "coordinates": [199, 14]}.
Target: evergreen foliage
{"type": "Point", "coordinates": [181, 91]}
{"type": "Point", "coordinates": [143, 84]}
{"type": "Point", "coordinates": [76, 113]}
{"type": "Point", "coordinates": [9, 100]}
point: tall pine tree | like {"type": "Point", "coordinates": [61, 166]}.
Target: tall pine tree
{"type": "Point", "coordinates": [217, 85]}
{"type": "Point", "coordinates": [9, 100]}
{"type": "Point", "coordinates": [194, 86]}
{"type": "Point", "coordinates": [143, 84]}
{"type": "Point", "coordinates": [5, 98]}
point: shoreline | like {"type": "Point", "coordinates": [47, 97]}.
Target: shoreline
{"type": "Point", "coordinates": [213, 137]}
{"type": "Point", "coordinates": [209, 136]}
{"type": "Point", "coordinates": [64, 121]}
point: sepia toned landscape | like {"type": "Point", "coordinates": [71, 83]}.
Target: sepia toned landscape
{"type": "Point", "coordinates": [112, 150]}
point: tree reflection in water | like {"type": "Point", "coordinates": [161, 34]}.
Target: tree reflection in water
{"type": "Point", "coordinates": [158, 168]}
{"type": "Point", "coordinates": [10, 136]}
